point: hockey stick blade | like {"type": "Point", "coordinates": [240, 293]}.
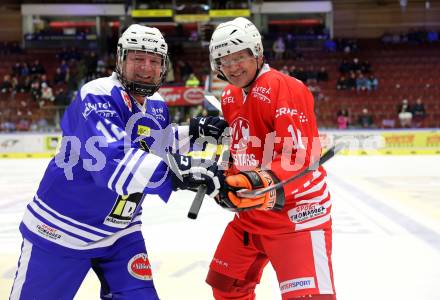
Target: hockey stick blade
{"type": "Point", "coordinates": [197, 202]}
{"type": "Point", "coordinates": [244, 193]}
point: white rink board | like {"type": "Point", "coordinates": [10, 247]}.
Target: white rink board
{"type": "Point", "coordinates": [386, 213]}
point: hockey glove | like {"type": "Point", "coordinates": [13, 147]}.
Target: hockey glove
{"type": "Point", "coordinates": [207, 126]}
{"type": "Point", "coordinates": [255, 179]}
{"type": "Point", "coordinates": [189, 173]}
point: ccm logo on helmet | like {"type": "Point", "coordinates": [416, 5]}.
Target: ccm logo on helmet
{"type": "Point", "coordinates": [221, 45]}
{"type": "Point", "coordinates": [150, 40]}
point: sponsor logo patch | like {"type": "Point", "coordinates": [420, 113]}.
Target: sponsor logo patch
{"type": "Point", "coordinates": [261, 93]}
{"type": "Point", "coordinates": [123, 210]}
{"type": "Point", "coordinates": [194, 95]}
{"type": "Point", "coordinates": [297, 284]}
{"type": "Point", "coordinates": [143, 130]}
{"type": "Point", "coordinates": [220, 262]}
{"type": "Point", "coordinates": [48, 231]}
{"type": "Point", "coordinates": [103, 109]}
{"type": "Point", "coordinates": [158, 113]}
{"type": "Point", "coordinates": [139, 267]}
{"type": "Point", "coordinates": [306, 212]}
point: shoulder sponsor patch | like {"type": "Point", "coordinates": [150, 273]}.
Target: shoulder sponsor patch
{"type": "Point", "coordinates": [139, 267]}
{"type": "Point", "coordinates": [261, 93]}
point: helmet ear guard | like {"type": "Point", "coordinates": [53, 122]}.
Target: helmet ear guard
{"type": "Point", "coordinates": [145, 39]}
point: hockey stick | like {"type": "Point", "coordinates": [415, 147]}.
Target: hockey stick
{"type": "Point", "coordinates": [255, 193]}
{"type": "Point", "coordinates": [197, 202]}
{"type": "Point", "coordinates": [201, 191]}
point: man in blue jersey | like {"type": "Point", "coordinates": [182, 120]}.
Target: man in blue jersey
{"type": "Point", "coordinates": [117, 147]}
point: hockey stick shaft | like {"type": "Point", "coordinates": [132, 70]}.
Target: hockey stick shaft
{"type": "Point", "coordinates": [197, 202]}
{"type": "Point", "coordinates": [201, 191]}
{"type": "Point", "coordinates": [256, 193]}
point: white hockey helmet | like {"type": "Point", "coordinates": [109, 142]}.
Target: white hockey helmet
{"type": "Point", "coordinates": [234, 36]}
{"type": "Point", "coordinates": [141, 38]}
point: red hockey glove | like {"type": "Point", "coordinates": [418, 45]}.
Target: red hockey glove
{"type": "Point", "coordinates": [255, 179]}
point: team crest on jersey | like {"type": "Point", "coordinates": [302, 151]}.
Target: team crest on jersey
{"type": "Point", "coordinates": [127, 100]}
{"type": "Point", "coordinates": [139, 267]}
{"type": "Point", "coordinates": [240, 133]}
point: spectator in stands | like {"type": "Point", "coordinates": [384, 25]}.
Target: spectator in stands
{"type": "Point", "coordinates": [355, 65]}
{"type": "Point", "coordinates": [37, 68]}
{"type": "Point", "coordinates": [40, 125]}
{"type": "Point", "coordinates": [185, 70]}
{"type": "Point", "coordinates": [404, 114]}
{"type": "Point", "coordinates": [362, 83]}
{"type": "Point", "coordinates": [351, 81]}
{"type": "Point", "coordinates": [300, 74]}
{"type": "Point", "coordinates": [365, 67]}
{"type": "Point", "coordinates": [6, 86]}
{"type": "Point", "coordinates": [290, 46]}
{"type": "Point", "coordinates": [343, 119]}
{"type": "Point", "coordinates": [330, 45]}
{"type": "Point", "coordinates": [322, 75]}
{"type": "Point", "coordinates": [7, 126]}
{"type": "Point", "coordinates": [35, 90]}
{"type": "Point", "coordinates": [374, 82]}
{"type": "Point", "coordinates": [23, 124]}
{"type": "Point", "coordinates": [193, 36]}
{"type": "Point", "coordinates": [192, 81]}
{"type": "Point", "coordinates": [345, 67]}
{"type": "Point", "coordinates": [432, 36]}
{"type": "Point", "coordinates": [419, 113]}
{"type": "Point", "coordinates": [293, 71]}
{"type": "Point", "coordinates": [46, 94]}
{"type": "Point", "coordinates": [23, 84]}
{"type": "Point", "coordinates": [279, 47]}
{"type": "Point", "coordinates": [24, 71]}
{"type": "Point", "coordinates": [16, 69]}
{"type": "Point", "coordinates": [342, 83]}
{"type": "Point", "coordinates": [63, 66]}
{"type": "Point", "coordinates": [312, 75]}
{"type": "Point", "coordinates": [43, 79]}
{"type": "Point", "coordinates": [285, 70]}
{"type": "Point", "coordinates": [59, 77]}
{"type": "Point", "coordinates": [61, 98]}
{"type": "Point", "coordinates": [365, 119]}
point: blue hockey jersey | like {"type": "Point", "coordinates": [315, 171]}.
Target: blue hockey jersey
{"type": "Point", "coordinates": [91, 194]}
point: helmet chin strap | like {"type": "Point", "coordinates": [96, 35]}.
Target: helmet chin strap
{"type": "Point", "coordinates": [138, 88]}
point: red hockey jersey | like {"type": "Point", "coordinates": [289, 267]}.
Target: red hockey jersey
{"type": "Point", "coordinates": [274, 127]}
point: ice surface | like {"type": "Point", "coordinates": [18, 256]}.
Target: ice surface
{"type": "Point", "coordinates": [386, 216]}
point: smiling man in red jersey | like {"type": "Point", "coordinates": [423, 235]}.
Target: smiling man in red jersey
{"type": "Point", "coordinates": [274, 136]}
